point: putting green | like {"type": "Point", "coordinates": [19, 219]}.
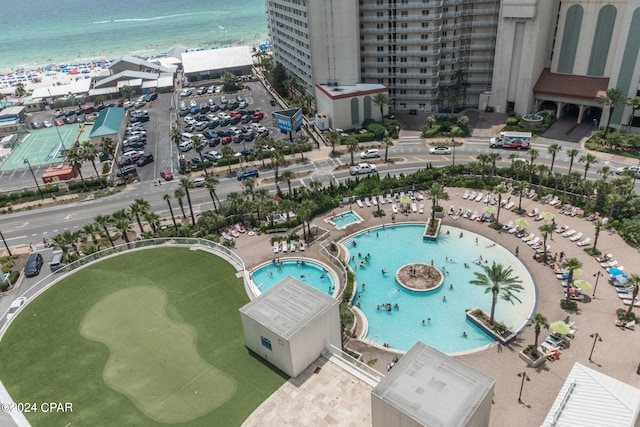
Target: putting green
{"type": "Point", "coordinates": [153, 359]}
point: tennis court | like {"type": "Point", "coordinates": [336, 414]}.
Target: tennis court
{"type": "Point", "coordinates": [43, 147]}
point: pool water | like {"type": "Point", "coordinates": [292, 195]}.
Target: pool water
{"type": "Point", "coordinates": [344, 219]}
{"type": "Point", "coordinates": [311, 273]}
{"type": "Point", "coordinates": [390, 248]}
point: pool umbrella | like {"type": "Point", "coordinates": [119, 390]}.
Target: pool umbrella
{"type": "Point", "coordinates": [615, 271]}
{"type": "Point", "coordinates": [547, 216]}
{"type": "Point", "coordinates": [560, 327]}
{"type": "Point", "coordinates": [521, 222]}
{"type": "Point", "coordinates": [582, 284]}
{"type": "Point", "coordinates": [490, 209]}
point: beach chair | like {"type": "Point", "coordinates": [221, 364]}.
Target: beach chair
{"type": "Point", "coordinates": [555, 201]}
{"type": "Point", "coordinates": [465, 196]}
{"type": "Point", "coordinates": [529, 237]}
{"type": "Point", "coordinates": [467, 214]}
{"type": "Point", "coordinates": [479, 197]}
{"type": "Point", "coordinates": [374, 201]}
{"type": "Point", "coordinates": [234, 233]}
{"type": "Point", "coordinates": [276, 247]}
{"type": "Point", "coordinates": [585, 242]}
{"type": "Point", "coordinates": [472, 196]}
{"type": "Point", "coordinates": [359, 202]}
{"type": "Point", "coordinates": [421, 208]}
{"type": "Point", "coordinates": [509, 205]}
{"type": "Point", "coordinates": [474, 216]}
{"type": "Point", "coordinates": [381, 200]}
{"type": "Point", "coordinates": [293, 246]}
{"type": "Point", "coordinates": [367, 202]}
{"type": "Point", "coordinates": [636, 303]}
{"type": "Point", "coordinates": [534, 241]}
{"type": "Point", "coordinates": [414, 208]}
{"type": "Point", "coordinates": [533, 213]}
{"type": "Point", "coordinates": [562, 229]}
{"type": "Point", "coordinates": [284, 246]}
{"type": "Point", "coordinates": [507, 226]}
{"type": "Point", "coordinates": [604, 258]}
{"type": "Point", "coordinates": [609, 264]}
{"type": "Point", "coordinates": [630, 325]}
{"type": "Point", "coordinates": [513, 229]}
{"type": "Point", "coordinates": [576, 237]}
{"type": "Point", "coordinates": [569, 233]}
{"type": "Point", "coordinates": [302, 246]}
{"type": "Point", "coordinates": [394, 208]}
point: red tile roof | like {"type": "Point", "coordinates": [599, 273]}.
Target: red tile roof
{"type": "Point", "coordinates": [571, 85]}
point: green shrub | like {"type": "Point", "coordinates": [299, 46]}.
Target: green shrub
{"type": "Point", "coordinates": [512, 121]}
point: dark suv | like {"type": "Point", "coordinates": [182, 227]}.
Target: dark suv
{"type": "Point", "coordinates": [247, 174]}
{"type": "Point", "coordinates": [33, 265]}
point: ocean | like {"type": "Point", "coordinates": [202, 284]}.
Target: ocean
{"type": "Point", "coordinates": [40, 32]}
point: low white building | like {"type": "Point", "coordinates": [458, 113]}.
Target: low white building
{"type": "Point", "coordinates": [348, 106]}
{"type": "Point", "coordinates": [213, 63]}
{"type": "Point", "coordinates": [291, 325]}
{"type": "Point", "coordinates": [429, 388]}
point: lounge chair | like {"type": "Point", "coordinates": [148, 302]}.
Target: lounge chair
{"type": "Point", "coordinates": [472, 196]}
{"type": "Point", "coordinates": [533, 213]}
{"type": "Point", "coordinates": [630, 325]}
{"type": "Point", "coordinates": [240, 228]}
{"type": "Point", "coordinates": [479, 197]}
{"type": "Point", "coordinates": [534, 241]}
{"type": "Point", "coordinates": [555, 201]}
{"type": "Point", "coordinates": [303, 245]}
{"type": "Point", "coordinates": [394, 208]}
{"type": "Point", "coordinates": [381, 200]}
{"type": "Point", "coordinates": [509, 205]}
{"type": "Point", "coordinates": [465, 196]}
{"type": "Point", "coordinates": [562, 229]}
{"type": "Point", "coordinates": [367, 202]}
{"type": "Point", "coordinates": [467, 214]}
{"type": "Point", "coordinates": [389, 199]}
{"type": "Point", "coordinates": [359, 202]}
{"type": "Point", "coordinates": [507, 226]}
{"type": "Point", "coordinates": [234, 233]}
{"type": "Point", "coordinates": [569, 233]}
{"type": "Point", "coordinates": [513, 229]}
{"type": "Point", "coordinates": [576, 237]}
{"type": "Point", "coordinates": [293, 246]}
{"type": "Point", "coordinates": [421, 208]}
{"type": "Point", "coordinates": [414, 207]}
{"type": "Point", "coordinates": [276, 246]}
{"type": "Point", "coordinates": [227, 236]}
{"type": "Point", "coordinates": [487, 199]}
{"type": "Point", "coordinates": [532, 194]}
{"type": "Point", "coordinates": [529, 237]}
{"type": "Point", "coordinates": [609, 264]}
{"type": "Point", "coordinates": [374, 201]}
{"type": "Point", "coordinates": [585, 242]}
{"type": "Point", "coordinates": [604, 258]}
{"type": "Point", "coordinates": [636, 303]}
{"type": "Point", "coordinates": [474, 216]}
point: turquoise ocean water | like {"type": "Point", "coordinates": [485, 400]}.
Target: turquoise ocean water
{"type": "Point", "coordinates": [39, 32]}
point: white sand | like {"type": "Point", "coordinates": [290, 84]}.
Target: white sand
{"type": "Point", "coordinates": [53, 79]}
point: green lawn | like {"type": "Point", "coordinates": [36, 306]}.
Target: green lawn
{"type": "Point", "coordinates": [160, 326]}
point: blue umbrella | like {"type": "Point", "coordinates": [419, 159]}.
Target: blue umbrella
{"type": "Point", "coordinates": [615, 271]}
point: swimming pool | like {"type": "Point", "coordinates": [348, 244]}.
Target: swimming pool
{"type": "Point", "coordinates": [344, 219]}
{"type": "Point", "coordinates": [390, 248]}
{"type": "Point", "coordinates": [310, 272]}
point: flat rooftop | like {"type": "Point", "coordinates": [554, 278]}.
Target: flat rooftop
{"type": "Point", "coordinates": [216, 59]}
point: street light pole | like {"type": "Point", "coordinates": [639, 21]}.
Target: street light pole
{"type": "Point", "coordinates": [524, 377]}
{"type": "Point", "coordinates": [453, 141]}
{"type": "Point", "coordinates": [5, 243]}
{"type": "Point", "coordinates": [34, 179]}
{"type": "Point", "coordinates": [597, 276]}
{"type": "Point", "coordinates": [58, 130]}
{"type": "Point", "coordinates": [596, 337]}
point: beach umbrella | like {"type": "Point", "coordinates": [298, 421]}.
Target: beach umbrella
{"type": "Point", "coordinates": [547, 216]}
{"type": "Point", "coordinates": [615, 271]}
{"type": "Point", "coordinates": [582, 284]}
{"type": "Point", "coordinates": [521, 222]}
{"type": "Point", "coordinates": [560, 327]}
{"type": "Point", "coordinates": [489, 209]}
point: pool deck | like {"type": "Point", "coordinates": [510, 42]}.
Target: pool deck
{"type": "Point", "coordinates": [333, 397]}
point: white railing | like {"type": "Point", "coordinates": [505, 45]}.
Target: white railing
{"type": "Point", "coordinates": [368, 374]}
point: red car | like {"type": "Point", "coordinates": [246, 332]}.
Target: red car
{"type": "Point", "coordinates": [257, 116]}
{"type": "Point", "coordinates": [168, 176]}
{"type": "Point", "coordinates": [58, 122]}
{"type": "Point", "coordinates": [226, 140]}
{"type": "Point", "coordinates": [234, 114]}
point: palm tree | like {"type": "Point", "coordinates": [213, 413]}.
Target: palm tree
{"type": "Point", "coordinates": [124, 227]}
{"type": "Point", "coordinates": [541, 170]}
{"type": "Point", "coordinates": [90, 229]}
{"type": "Point", "coordinates": [598, 225]}
{"type": "Point", "coordinates": [211, 184]}
{"type": "Point", "coordinates": [75, 161]}
{"type": "Point", "coordinates": [352, 147]}
{"type": "Point", "coordinates": [334, 138]}
{"type": "Point", "coordinates": [546, 231]}
{"type": "Point", "coordinates": [483, 159]}
{"type": "Point", "coordinates": [533, 155]}
{"type": "Point", "coordinates": [138, 208]}
{"type": "Point", "coordinates": [227, 154]}
{"type": "Point", "coordinates": [570, 265]}
{"type": "Point", "coordinates": [167, 197]}
{"type": "Point", "coordinates": [185, 184]}
{"type": "Point", "coordinates": [493, 158]}
{"type": "Point", "coordinates": [435, 193]}
{"type": "Point", "coordinates": [634, 103]}
{"type": "Point", "coordinates": [288, 175]}
{"type": "Point", "coordinates": [99, 100]}
{"type": "Point", "coordinates": [633, 281]}
{"type": "Point", "coordinates": [179, 194]}
{"type": "Point", "coordinates": [20, 91]}
{"type": "Point", "coordinates": [520, 186]}
{"type": "Point", "coordinates": [89, 152]}
{"type": "Point", "coordinates": [498, 278]}
{"type": "Point", "coordinates": [381, 100]}
{"type": "Point", "coordinates": [175, 135]}
{"type": "Point", "coordinates": [554, 149]}
{"type": "Point", "coordinates": [128, 91]}
{"type": "Point", "coordinates": [572, 153]}
{"type": "Point", "coordinates": [107, 146]}
{"type": "Point", "coordinates": [614, 98]}
{"type": "Point", "coordinates": [386, 143]}
{"type": "Point", "coordinates": [277, 159]}
{"type": "Point", "coordinates": [153, 219]}
{"type": "Point", "coordinates": [499, 190]}
{"type": "Point", "coordinates": [104, 221]}
{"type": "Point", "coordinates": [198, 145]}
{"type": "Point", "coordinates": [431, 120]}
{"type": "Point", "coordinates": [588, 160]}
{"type": "Point", "coordinates": [538, 321]}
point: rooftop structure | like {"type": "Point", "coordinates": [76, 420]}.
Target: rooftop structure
{"type": "Point", "coordinates": [110, 123]}
{"type": "Point", "coordinates": [211, 63]}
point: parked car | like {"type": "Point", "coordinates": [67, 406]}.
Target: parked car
{"type": "Point", "coordinates": [186, 146]}
{"type": "Point", "coordinates": [58, 122]}
{"type": "Point", "coordinates": [225, 140]}
{"type": "Point", "coordinates": [33, 265]}
{"type": "Point", "coordinates": [145, 159]}
{"type": "Point", "coordinates": [186, 92]}
{"type": "Point", "coordinates": [15, 306]}
{"type": "Point", "coordinates": [440, 150]}
{"type": "Point", "coordinates": [371, 153]}
{"type": "Point", "coordinates": [151, 97]}
{"type": "Point", "coordinates": [166, 175]}
{"type": "Point", "coordinates": [257, 116]}
{"type": "Point", "coordinates": [47, 124]}
{"type": "Point", "coordinates": [212, 156]}
{"type": "Point", "coordinates": [36, 125]}
{"type": "Point", "coordinates": [127, 171]}
{"type": "Point", "coordinates": [249, 173]}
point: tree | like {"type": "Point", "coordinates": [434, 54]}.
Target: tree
{"type": "Point", "coordinates": [198, 145]}
{"type": "Point", "coordinates": [381, 100]}
{"type": "Point", "coordinates": [107, 146]}
{"type": "Point", "coordinates": [588, 160]}
{"type": "Point", "coordinates": [483, 159]}
{"type": "Point", "coordinates": [614, 98]}
{"type": "Point", "coordinates": [541, 171]}
{"type": "Point", "coordinates": [597, 224]}
{"type": "Point", "coordinates": [104, 221]}
{"type": "Point", "coordinates": [277, 159]}
{"type": "Point", "coordinates": [175, 134]}
{"type": "Point", "coordinates": [533, 155]}
{"type": "Point", "coordinates": [99, 100]}
{"type": "Point", "coordinates": [20, 91]}
{"type": "Point", "coordinates": [227, 154]}
{"type": "Point", "coordinates": [554, 149]}
{"type": "Point", "coordinates": [139, 208]}
{"type": "Point", "coordinates": [605, 172]}
{"type": "Point", "coordinates": [167, 197]}
{"type": "Point", "coordinates": [572, 153]}
{"type": "Point", "coordinates": [288, 175]}
{"type": "Point", "coordinates": [431, 120]}
{"type": "Point", "coordinates": [75, 161]}
{"type": "Point", "coordinates": [386, 143]}
{"type": "Point", "coordinates": [91, 229]}
{"type": "Point", "coordinates": [179, 194]}
{"type": "Point", "coordinates": [546, 231]}
{"type": "Point", "coordinates": [352, 147]}
{"type": "Point", "coordinates": [493, 157]}
{"type": "Point", "coordinates": [538, 321]}
{"type": "Point", "coordinates": [229, 82]}
{"type": "Point", "coordinates": [128, 92]}
{"type": "Point", "coordinates": [570, 265]}
{"type": "Point", "coordinates": [153, 219]}
{"type": "Point", "coordinates": [124, 227]}
{"type": "Point", "coordinates": [334, 138]}
{"type": "Point", "coordinates": [520, 186]}
{"type": "Point", "coordinates": [211, 184]}
{"type": "Point", "coordinates": [634, 103]}
{"type": "Point", "coordinates": [436, 193]}
{"type": "Point", "coordinates": [633, 281]}
{"type": "Point", "coordinates": [185, 184]}
{"type": "Point", "coordinates": [499, 190]}
{"type": "Point", "coordinates": [496, 279]}
{"type": "Point", "coordinates": [88, 151]}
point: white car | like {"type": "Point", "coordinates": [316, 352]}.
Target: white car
{"type": "Point", "coordinates": [47, 124]}
{"type": "Point", "coordinates": [214, 156]}
{"type": "Point", "coordinates": [132, 154]}
{"type": "Point", "coordinates": [363, 168]}
{"type": "Point", "coordinates": [621, 170]}
{"type": "Point", "coordinates": [198, 182]}
{"type": "Point", "coordinates": [186, 146]}
{"type": "Point", "coordinates": [371, 153]}
{"type": "Point", "coordinates": [193, 103]}
{"type": "Point", "coordinates": [189, 120]}
{"type": "Point", "coordinates": [15, 306]}
{"type": "Point", "coordinates": [440, 150]}
{"type": "Point", "coordinates": [186, 92]}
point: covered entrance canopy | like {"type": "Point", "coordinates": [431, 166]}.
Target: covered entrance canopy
{"type": "Point", "coordinates": [565, 89]}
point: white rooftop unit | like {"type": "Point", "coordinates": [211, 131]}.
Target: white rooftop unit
{"type": "Point", "coordinates": [291, 324]}
{"type": "Point", "coordinates": [429, 388]}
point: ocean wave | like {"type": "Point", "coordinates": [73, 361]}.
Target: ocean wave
{"type": "Point", "coordinates": [155, 18]}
